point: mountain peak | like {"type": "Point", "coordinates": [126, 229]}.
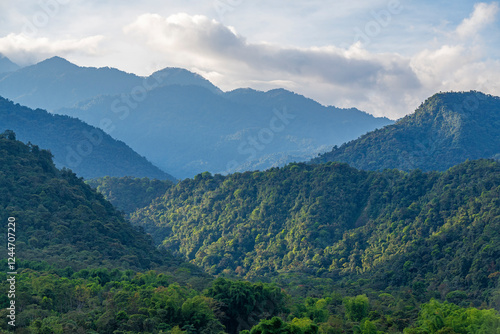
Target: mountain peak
{"type": "Point", "coordinates": [179, 76]}
{"type": "Point", "coordinates": [56, 63]}
{"type": "Point", "coordinates": [447, 129]}
{"type": "Point", "coordinates": [454, 102]}
{"type": "Point", "coordinates": [6, 65]}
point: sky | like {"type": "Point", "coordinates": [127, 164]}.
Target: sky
{"type": "Point", "coordinates": [381, 56]}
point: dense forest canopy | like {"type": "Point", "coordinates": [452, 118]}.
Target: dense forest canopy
{"type": "Point", "coordinates": [303, 249]}
{"type": "Point", "coordinates": [447, 129]}
{"type": "Point", "coordinates": [128, 193]}
{"type": "Point", "coordinates": [65, 222]}
{"type": "Point", "coordinates": [438, 230]}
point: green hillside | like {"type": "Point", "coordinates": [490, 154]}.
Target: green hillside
{"type": "Point", "coordinates": [445, 130]}
{"type": "Point", "coordinates": [369, 251]}
{"type": "Point", "coordinates": [61, 220]}
{"type": "Point", "coordinates": [438, 231]}
{"type": "Point", "coordinates": [86, 150]}
{"type": "Point", "coordinates": [127, 193]}
{"type": "Point", "coordinates": [82, 268]}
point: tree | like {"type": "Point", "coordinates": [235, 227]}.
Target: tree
{"type": "Point", "coordinates": [356, 308]}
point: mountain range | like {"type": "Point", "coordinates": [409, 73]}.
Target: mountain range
{"type": "Point", "coordinates": [434, 230]}
{"type": "Point", "coordinates": [86, 150]}
{"type": "Point", "coordinates": [347, 250]}
{"type": "Point", "coordinates": [332, 221]}
{"type": "Point", "coordinates": [56, 83]}
{"type": "Point", "coordinates": [200, 128]}
{"type": "Point", "coordinates": [447, 129]}
{"type": "Point", "coordinates": [202, 131]}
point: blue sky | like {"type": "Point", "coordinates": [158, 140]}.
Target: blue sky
{"type": "Point", "coordinates": [381, 56]}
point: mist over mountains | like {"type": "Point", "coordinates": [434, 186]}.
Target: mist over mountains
{"type": "Point", "coordinates": [86, 150]}
{"type": "Point", "coordinates": [55, 83]}
{"type": "Point", "coordinates": [346, 249]}
{"type": "Point", "coordinates": [183, 123]}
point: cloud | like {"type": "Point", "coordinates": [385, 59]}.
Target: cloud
{"type": "Point", "coordinates": [461, 64]}
{"type": "Point", "coordinates": [209, 45]}
{"type": "Point", "coordinates": [457, 67]}
{"type": "Point", "coordinates": [483, 15]}
{"type": "Point", "coordinates": [298, 47]}
{"type": "Point", "coordinates": [208, 42]}
{"type": "Point", "coordinates": [385, 84]}
{"type": "Point", "coordinates": [26, 50]}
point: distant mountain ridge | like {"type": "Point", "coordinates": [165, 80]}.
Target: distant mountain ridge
{"type": "Point", "coordinates": [202, 131]}
{"type": "Point", "coordinates": [55, 83]}
{"type": "Point", "coordinates": [87, 150]}
{"type": "Point", "coordinates": [445, 130]}
{"type": "Point", "coordinates": [182, 122]}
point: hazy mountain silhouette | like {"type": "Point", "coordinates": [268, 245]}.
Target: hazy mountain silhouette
{"type": "Point", "coordinates": [6, 65]}
{"type": "Point", "coordinates": [55, 83]}
{"type": "Point", "coordinates": [189, 129]}
{"type": "Point", "coordinates": [182, 122]}
{"type": "Point", "coordinates": [87, 150]}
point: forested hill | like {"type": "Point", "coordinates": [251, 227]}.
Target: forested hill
{"type": "Point", "coordinates": [447, 129]}
{"type": "Point", "coordinates": [129, 194]}
{"type": "Point", "coordinates": [86, 150]}
{"type": "Point", "coordinates": [332, 220]}
{"type": "Point", "coordinates": [60, 219]}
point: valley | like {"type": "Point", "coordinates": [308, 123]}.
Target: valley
{"type": "Point", "coordinates": [259, 228]}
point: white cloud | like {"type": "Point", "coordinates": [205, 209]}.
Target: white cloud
{"type": "Point", "coordinates": [434, 67]}
{"type": "Point", "coordinates": [483, 15]}
{"type": "Point", "coordinates": [26, 50]}
{"type": "Point", "coordinates": [462, 65]}
{"type": "Point", "coordinates": [210, 46]}
{"type": "Point", "coordinates": [428, 47]}
{"type": "Point", "coordinates": [456, 67]}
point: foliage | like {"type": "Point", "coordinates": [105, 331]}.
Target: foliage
{"type": "Point", "coordinates": [127, 193]}
{"type": "Point", "coordinates": [60, 219]}
{"type": "Point", "coordinates": [446, 130]}
{"type": "Point", "coordinates": [356, 308]}
{"type": "Point", "coordinates": [436, 317]}
{"type": "Point", "coordinates": [401, 233]}
{"type": "Point", "coordinates": [245, 303]}
{"type": "Point", "coordinates": [278, 326]}
{"type": "Point", "coordinates": [123, 302]}
{"type": "Point", "coordinates": [87, 150]}
{"type": "Point", "coordinates": [435, 232]}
